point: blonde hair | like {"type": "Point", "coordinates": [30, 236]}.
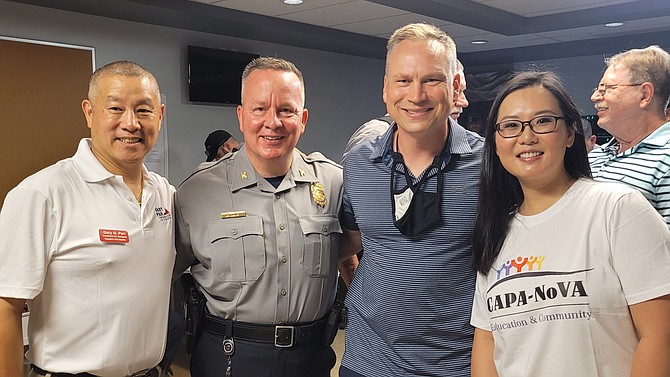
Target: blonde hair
{"type": "Point", "coordinates": [424, 32]}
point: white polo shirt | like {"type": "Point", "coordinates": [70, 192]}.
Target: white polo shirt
{"type": "Point", "coordinates": [94, 265]}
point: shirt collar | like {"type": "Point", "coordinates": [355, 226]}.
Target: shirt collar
{"type": "Point", "coordinates": [245, 175]}
{"type": "Point", "coordinates": [457, 142]}
{"type": "Point", "coordinates": [90, 167]}
{"type": "Point", "coordinates": [660, 137]}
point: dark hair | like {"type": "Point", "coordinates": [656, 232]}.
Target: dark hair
{"type": "Point", "coordinates": [500, 193]}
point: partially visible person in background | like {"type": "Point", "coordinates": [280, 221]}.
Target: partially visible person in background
{"type": "Point", "coordinates": [89, 243]}
{"type": "Point", "coordinates": [573, 274]}
{"type": "Point", "coordinates": [461, 101]}
{"type": "Point", "coordinates": [631, 99]}
{"type": "Point", "coordinates": [474, 123]}
{"type": "Point", "coordinates": [218, 144]}
{"type": "Point", "coordinates": [589, 137]}
{"type": "Point", "coordinates": [368, 131]}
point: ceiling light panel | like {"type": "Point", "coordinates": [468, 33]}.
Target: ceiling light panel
{"type": "Point", "coordinates": [532, 8]}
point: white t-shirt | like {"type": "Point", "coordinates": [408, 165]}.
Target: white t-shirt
{"type": "Point", "coordinates": [95, 267]}
{"type": "Point", "coordinates": [557, 297]}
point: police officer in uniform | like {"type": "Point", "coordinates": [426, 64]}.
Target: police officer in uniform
{"type": "Point", "coordinates": [259, 229]}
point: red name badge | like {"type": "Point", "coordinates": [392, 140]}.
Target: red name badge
{"type": "Point", "coordinates": [113, 236]}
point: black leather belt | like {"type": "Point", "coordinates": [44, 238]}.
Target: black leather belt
{"type": "Point", "coordinates": [153, 372]}
{"type": "Point", "coordinates": [43, 372]}
{"type": "Point", "coordinates": [279, 335]}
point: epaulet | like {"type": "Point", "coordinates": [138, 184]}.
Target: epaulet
{"type": "Point", "coordinates": [207, 165]}
{"type": "Point", "coordinates": [318, 157]}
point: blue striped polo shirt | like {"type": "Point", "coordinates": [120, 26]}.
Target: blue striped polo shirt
{"type": "Point", "coordinates": [410, 300]}
{"type": "Point", "coordinates": [645, 167]}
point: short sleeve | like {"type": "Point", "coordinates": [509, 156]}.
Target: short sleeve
{"type": "Point", "coordinates": [640, 244]}
{"type": "Point", "coordinates": [347, 219]}
{"type": "Point", "coordinates": [480, 315]}
{"type": "Point", "coordinates": [27, 224]}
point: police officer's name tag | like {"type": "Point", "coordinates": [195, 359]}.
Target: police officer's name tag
{"type": "Point", "coordinates": [113, 236]}
{"type": "Point", "coordinates": [234, 214]}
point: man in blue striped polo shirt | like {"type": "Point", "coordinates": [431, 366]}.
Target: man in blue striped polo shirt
{"type": "Point", "coordinates": [409, 201]}
{"type": "Point", "coordinates": [631, 99]}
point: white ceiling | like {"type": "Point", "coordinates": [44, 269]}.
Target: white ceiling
{"type": "Point", "coordinates": [549, 21]}
{"type": "Point", "coordinates": [516, 30]}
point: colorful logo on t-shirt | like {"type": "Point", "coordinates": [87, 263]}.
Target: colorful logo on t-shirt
{"type": "Point", "coordinates": [519, 264]}
{"type": "Point", "coordinates": [525, 294]}
{"type": "Point", "coordinates": [163, 214]}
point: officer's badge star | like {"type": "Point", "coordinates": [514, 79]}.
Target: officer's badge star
{"type": "Point", "coordinates": [318, 194]}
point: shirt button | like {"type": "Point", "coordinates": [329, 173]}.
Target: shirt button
{"type": "Point", "coordinates": [284, 259]}
{"type": "Point", "coordinates": [234, 232]}
{"type": "Point", "coordinates": [130, 199]}
{"type": "Point", "coordinates": [324, 228]}
{"type": "Point", "coordinates": [282, 226]}
{"type": "Point", "coordinates": [283, 292]}
{"type": "Point", "coordinates": [276, 196]}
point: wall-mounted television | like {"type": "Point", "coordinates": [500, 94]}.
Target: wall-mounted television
{"type": "Point", "coordinates": [215, 76]}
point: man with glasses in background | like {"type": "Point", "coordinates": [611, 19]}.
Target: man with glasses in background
{"type": "Point", "coordinates": [631, 99]}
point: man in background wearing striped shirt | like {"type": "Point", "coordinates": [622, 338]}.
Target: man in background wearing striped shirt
{"type": "Point", "coordinates": [631, 99]}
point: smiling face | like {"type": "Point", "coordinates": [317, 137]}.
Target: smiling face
{"type": "Point", "coordinates": [418, 89]}
{"type": "Point", "coordinates": [272, 119]}
{"type": "Point", "coordinates": [533, 159]}
{"type": "Point", "coordinates": [124, 115]}
{"type": "Point", "coordinates": [617, 106]}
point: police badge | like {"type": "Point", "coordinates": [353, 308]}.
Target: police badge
{"type": "Point", "coordinates": [318, 194]}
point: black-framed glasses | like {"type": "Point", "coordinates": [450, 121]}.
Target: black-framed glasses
{"type": "Point", "coordinates": [602, 89]}
{"type": "Point", "coordinates": [542, 124]}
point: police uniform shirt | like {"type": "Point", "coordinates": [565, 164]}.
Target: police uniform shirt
{"type": "Point", "coordinates": [264, 255]}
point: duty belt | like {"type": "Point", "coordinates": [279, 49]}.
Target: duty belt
{"type": "Point", "coordinates": [279, 335]}
{"type": "Point", "coordinates": [152, 372]}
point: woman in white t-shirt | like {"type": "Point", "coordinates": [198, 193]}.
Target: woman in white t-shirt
{"type": "Point", "coordinates": [573, 275]}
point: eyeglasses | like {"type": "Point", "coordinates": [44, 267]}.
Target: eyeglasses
{"type": "Point", "coordinates": [542, 124]}
{"type": "Point", "coordinates": [603, 88]}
